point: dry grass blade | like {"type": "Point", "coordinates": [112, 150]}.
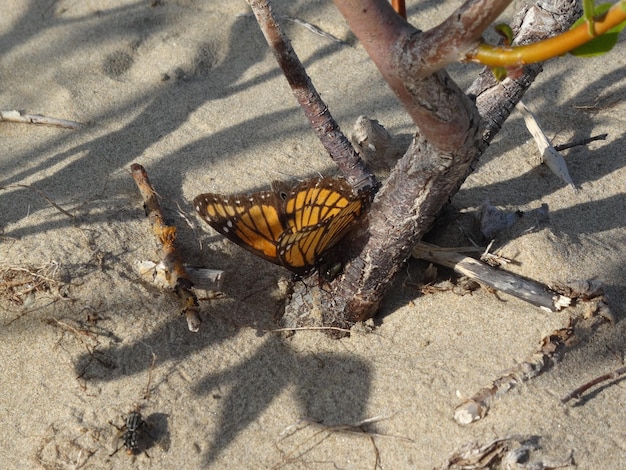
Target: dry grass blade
{"type": "Point", "coordinates": [18, 283]}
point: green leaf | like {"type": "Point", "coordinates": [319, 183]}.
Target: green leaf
{"type": "Point", "coordinates": [600, 44]}
{"type": "Point", "coordinates": [596, 47]}
{"type": "Point", "coordinates": [505, 32]}
{"type": "Point", "coordinates": [589, 15]}
{"type": "Point", "coordinates": [500, 73]}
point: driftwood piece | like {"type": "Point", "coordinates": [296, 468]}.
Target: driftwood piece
{"type": "Point", "coordinates": [531, 291]}
{"type": "Point", "coordinates": [176, 275]}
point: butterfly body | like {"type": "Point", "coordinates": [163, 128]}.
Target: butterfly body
{"type": "Point", "coordinates": [290, 227]}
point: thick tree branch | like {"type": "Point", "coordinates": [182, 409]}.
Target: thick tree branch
{"type": "Point", "coordinates": [405, 56]}
{"type": "Point", "coordinates": [433, 168]}
{"type": "Point", "coordinates": [448, 42]}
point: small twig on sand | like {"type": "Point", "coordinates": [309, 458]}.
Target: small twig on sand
{"type": "Point", "coordinates": [18, 116]}
{"type": "Point", "coordinates": [309, 328]}
{"type": "Point", "coordinates": [45, 197]}
{"type": "Point", "coordinates": [310, 26]}
{"type": "Point", "coordinates": [146, 396]}
{"type": "Point", "coordinates": [550, 351]}
{"type": "Point", "coordinates": [322, 431]}
{"type": "Point", "coordinates": [178, 279]}
{"type": "Point", "coordinates": [603, 378]}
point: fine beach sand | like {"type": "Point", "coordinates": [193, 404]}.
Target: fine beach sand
{"type": "Point", "coordinates": [189, 90]}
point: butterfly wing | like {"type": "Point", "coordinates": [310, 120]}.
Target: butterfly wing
{"type": "Point", "coordinates": [291, 227]}
{"type": "Point", "coordinates": [316, 201]}
{"type": "Point", "coordinates": [253, 221]}
{"type": "Point", "coordinates": [318, 214]}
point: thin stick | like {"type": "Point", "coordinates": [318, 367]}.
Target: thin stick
{"type": "Point", "coordinates": [603, 378]}
{"type": "Point", "coordinates": [179, 280]}
{"type": "Point", "coordinates": [579, 142]}
{"type": "Point", "coordinates": [18, 116]}
{"type": "Point", "coordinates": [146, 395]}
{"type": "Point", "coordinates": [312, 328]}
{"type": "Point", "coordinates": [314, 29]}
{"type": "Point", "coordinates": [358, 428]}
{"type": "Point", "coordinates": [310, 26]}
{"type": "Point", "coordinates": [45, 197]}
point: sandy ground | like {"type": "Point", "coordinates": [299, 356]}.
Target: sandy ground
{"type": "Point", "coordinates": [189, 90]}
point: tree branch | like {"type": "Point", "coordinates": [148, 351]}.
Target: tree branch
{"type": "Point", "coordinates": [316, 111]}
{"type": "Point", "coordinates": [439, 159]}
{"type": "Point", "coordinates": [407, 58]}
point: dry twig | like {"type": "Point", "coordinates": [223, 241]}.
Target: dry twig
{"type": "Point", "coordinates": [322, 431]}
{"type": "Point", "coordinates": [310, 26]}
{"type": "Point", "coordinates": [580, 142]}
{"type": "Point", "coordinates": [311, 328]}
{"type": "Point", "coordinates": [43, 195]}
{"type": "Point", "coordinates": [177, 276]}
{"type": "Point", "coordinates": [146, 396]}
{"type": "Point", "coordinates": [603, 378]}
{"type": "Point", "coordinates": [550, 351]}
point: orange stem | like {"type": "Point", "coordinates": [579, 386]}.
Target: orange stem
{"type": "Point", "coordinates": [543, 50]}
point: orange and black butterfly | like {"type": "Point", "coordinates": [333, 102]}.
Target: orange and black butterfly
{"type": "Point", "coordinates": [289, 227]}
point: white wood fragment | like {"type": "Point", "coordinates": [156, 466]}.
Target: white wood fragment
{"type": "Point", "coordinates": [159, 275]}
{"type": "Point", "coordinates": [549, 155]}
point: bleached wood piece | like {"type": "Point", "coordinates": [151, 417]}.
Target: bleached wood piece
{"type": "Point", "coordinates": [531, 291]}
